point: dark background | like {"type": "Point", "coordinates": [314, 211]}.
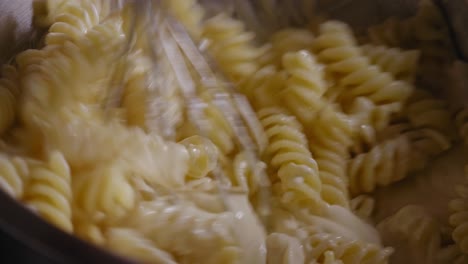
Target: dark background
{"type": "Point", "coordinates": [13, 252]}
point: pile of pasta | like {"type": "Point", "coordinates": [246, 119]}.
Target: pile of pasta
{"type": "Point", "coordinates": [337, 120]}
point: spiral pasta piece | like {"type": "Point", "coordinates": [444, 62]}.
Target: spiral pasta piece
{"type": "Point", "coordinates": [336, 47]}
{"type": "Point", "coordinates": [425, 110]}
{"type": "Point", "coordinates": [289, 40]}
{"type": "Point", "coordinates": [431, 33]}
{"type": "Point", "coordinates": [135, 93]}
{"type": "Point", "coordinates": [88, 230]}
{"type": "Point", "coordinates": [427, 143]}
{"type": "Point", "coordinates": [347, 250]}
{"type": "Point", "coordinates": [296, 169]}
{"type": "Point", "coordinates": [330, 137]}
{"type": "Point", "coordinates": [262, 87]}
{"type": "Point", "coordinates": [29, 61]}
{"type": "Point", "coordinates": [73, 19]}
{"type": "Point", "coordinates": [220, 131]}
{"type": "Point", "coordinates": [402, 64]}
{"type": "Point", "coordinates": [190, 13]}
{"type": "Point", "coordinates": [231, 46]}
{"type": "Point", "coordinates": [382, 165]}
{"type": "Point", "coordinates": [103, 194]}
{"type": "Point", "coordinates": [246, 176]}
{"type": "Point", "coordinates": [131, 243]}
{"type": "Point", "coordinates": [414, 226]}
{"type": "Point", "coordinates": [459, 217]}
{"type": "Point", "coordinates": [49, 192]}
{"type": "Point", "coordinates": [14, 171]}
{"type": "Point", "coordinates": [305, 85]}
{"type": "Point", "coordinates": [284, 249]}
{"type": "Point", "coordinates": [203, 156]}
{"type": "Point", "coordinates": [369, 120]}
{"type": "Point", "coordinates": [363, 206]}
{"type": "Point", "coordinates": [171, 226]}
{"type": "Point", "coordinates": [43, 87]}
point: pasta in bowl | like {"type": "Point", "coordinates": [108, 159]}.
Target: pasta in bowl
{"type": "Point", "coordinates": [339, 116]}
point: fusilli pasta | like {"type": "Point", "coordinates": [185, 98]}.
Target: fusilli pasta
{"type": "Point", "coordinates": [73, 20]}
{"type": "Point", "coordinates": [392, 159]}
{"type": "Point", "coordinates": [363, 206]}
{"type": "Point", "coordinates": [246, 176]}
{"type": "Point", "coordinates": [284, 249]}
{"type": "Point", "coordinates": [293, 163]}
{"type": "Point", "coordinates": [425, 110]}
{"type": "Point", "coordinates": [330, 136]}
{"type": "Point", "coordinates": [414, 226]}
{"type": "Point", "coordinates": [401, 64]}
{"type": "Point", "coordinates": [289, 40]}
{"type": "Point", "coordinates": [305, 85]}
{"type": "Point", "coordinates": [104, 194]}
{"type": "Point", "coordinates": [347, 250]}
{"type": "Point", "coordinates": [170, 227]}
{"type": "Point", "coordinates": [14, 171]}
{"type": "Point", "coordinates": [220, 131]}
{"type": "Point", "coordinates": [231, 46]}
{"type": "Point", "coordinates": [336, 47]}
{"type": "Point", "coordinates": [203, 156]}
{"type": "Point", "coordinates": [190, 13]}
{"type": "Point", "coordinates": [382, 165]}
{"type": "Point", "coordinates": [262, 87]}
{"type": "Point", "coordinates": [130, 243]}
{"type": "Point", "coordinates": [49, 192]}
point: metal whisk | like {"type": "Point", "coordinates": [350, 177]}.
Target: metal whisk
{"type": "Point", "coordinates": [169, 42]}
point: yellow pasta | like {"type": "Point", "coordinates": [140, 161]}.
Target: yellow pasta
{"type": "Point", "coordinates": [262, 87]}
{"type": "Point", "coordinates": [246, 176]}
{"type": "Point", "coordinates": [130, 243]}
{"type": "Point", "coordinates": [363, 206]}
{"type": "Point", "coordinates": [49, 192]}
{"type": "Point", "coordinates": [423, 109]}
{"type": "Point", "coordinates": [413, 226]}
{"type": "Point", "coordinates": [170, 228]}
{"type": "Point", "coordinates": [305, 85]}
{"type": "Point", "coordinates": [284, 249]}
{"type": "Point", "coordinates": [231, 46]}
{"type": "Point", "coordinates": [401, 64]}
{"type": "Point", "coordinates": [296, 169]}
{"type": "Point", "coordinates": [288, 40]}
{"type": "Point", "coordinates": [381, 166]}
{"type": "Point", "coordinates": [104, 194]}
{"type": "Point", "coordinates": [203, 156]}
{"type": "Point", "coordinates": [336, 47]}
{"type": "Point", "coordinates": [98, 138]}
{"type": "Point", "coordinates": [190, 13]}
{"type": "Point", "coordinates": [73, 21]}
{"type": "Point", "coordinates": [219, 131]}
{"type": "Point", "coordinates": [347, 250]}
{"type": "Point", "coordinates": [330, 137]}
{"type": "Point", "coordinates": [14, 173]}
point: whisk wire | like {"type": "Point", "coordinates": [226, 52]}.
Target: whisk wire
{"type": "Point", "coordinates": [226, 99]}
